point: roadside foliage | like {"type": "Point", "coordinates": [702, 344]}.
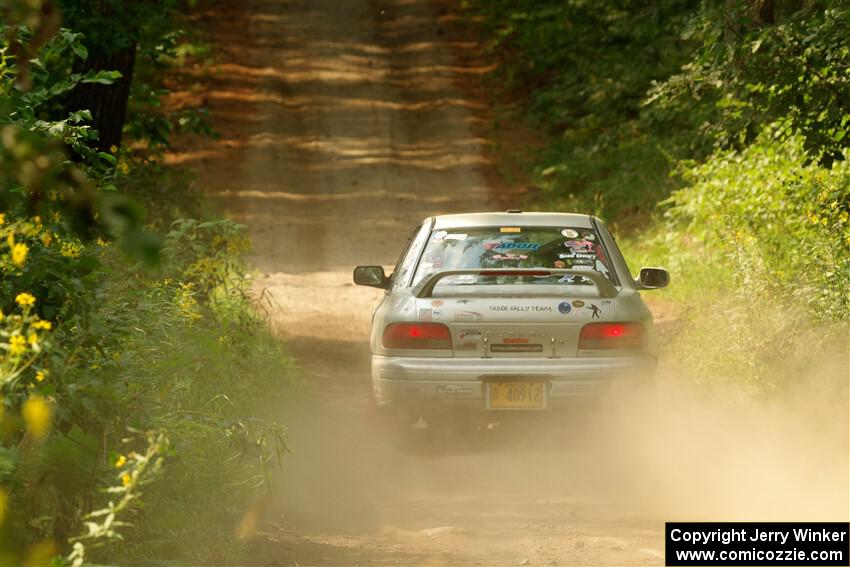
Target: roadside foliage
{"type": "Point", "coordinates": [134, 369]}
{"type": "Point", "coordinates": [714, 138]}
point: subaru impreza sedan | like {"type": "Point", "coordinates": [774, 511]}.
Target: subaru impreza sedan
{"type": "Point", "coordinates": [509, 312]}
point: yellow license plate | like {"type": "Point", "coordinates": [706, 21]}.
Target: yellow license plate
{"type": "Point", "coordinates": [517, 395]}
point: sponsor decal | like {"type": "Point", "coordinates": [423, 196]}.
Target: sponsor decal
{"type": "Point", "coordinates": [568, 279]}
{"type": "Point", "coordinates": [589, 236]}
{"type": "Point", "coordinates": [595, 309]}
{"type": "Point", "coordinates": [518, 246]}
{"type": "Point", "coordinates": [579, 246]}
{"type": "Point", "coordinates": [510, 257]}
{"type": "Point", "coordinates": [508, 245]}
{"type": "Point", "coordinates": [564, 307]}
{"type": "Point", "coordinates": [434, 259]}
{"type": "Point", "coordinates": [521, 308]}
{"type": "Point", "coordinates": [439, 235]}
{"type": "Point", "coordinates": [466, 333]}
{"type": "Point", "coordinates": [582, 267]}
{"type": "Point", "coordinates": [510, 229]}
{"type": "Point", "coordinates": [572, 255]}
{"type": "Point", "coordinates": [468, 345]}
{"type": "Point", "coordinates": [578, 303]}
{"type": "Point", "coordinates": [425, 314]}
{"type": "Point", "coordinates": [515, 340]}
{"type": "Point", "coordinates": [436, 303]}
{"type": "Point", "coordinates": [607, 302]}
{"type": "Point", "coordinates": [436, 314]}
{"type": "Point", "coordinates": [515, 348]}
{"type": "Point", "coordinates": [454, 390]}
{"type": "Point", "coordinates": [569, 233]}
{"type": "Point", "coordinates": [468, 316]}
{"type": "Point", "coordinates": [455, 237]}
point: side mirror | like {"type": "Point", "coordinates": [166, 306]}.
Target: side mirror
{"type": "Point", "coordinates": [373, 276]}
{"type": "Point", "coordinates": [653, 278]}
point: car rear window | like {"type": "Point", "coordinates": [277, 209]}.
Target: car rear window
{"type": "Point", "coordinates": [515, 247]}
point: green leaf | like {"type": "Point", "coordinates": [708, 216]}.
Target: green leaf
{"type": "Point", "coordinates": [80, 50]}
{"type": "Point", "coordinates": [101, 77]}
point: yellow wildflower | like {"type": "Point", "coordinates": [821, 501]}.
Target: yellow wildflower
{"type": "Point", "coordinates": [37, 414]}
{"type": "Point", "coordinates": [1, 315]}
{"type": "Point", "coordinates": [43, 325]}
{"type": "Point", "coordinates": [4, 498]}
{"type": "Point", "coordinates": [46, 238]}
{"type": "Point", "coordinates": [17, 345]}
{"type": "Point", "coordinates": [123, 167]}
{"type": "Point", "coordinates": [32, 339]}
{"type": "Point", "coordinates": [19, 254]}
{"type": "Point", "coordinates": [101, 242]}
{"type": "Point", "coordinates": [113, 148]}
{"type": "Point", "coordinates": [126, 479]}
{"type": "Point", "coordinates": [25, 299]}
{"type": "Point", "coordinates": [120, 461]}
{"type": "Point", "coordinates": [71, 250]}
{"type": "Point", "coordinates": [2, 218]}
{"type": "Point", "coordinates": [40, 375]}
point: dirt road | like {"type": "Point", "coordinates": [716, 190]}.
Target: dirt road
{"type": "Point", "coordinates": [343, 124]}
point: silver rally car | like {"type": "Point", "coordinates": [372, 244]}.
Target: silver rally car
{"type": "Point", "coordinates": [509, 311]}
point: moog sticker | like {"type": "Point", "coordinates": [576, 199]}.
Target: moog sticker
{"type": "Point", "coordinates": [564, 307]}
{"type": "Point", "coordinates": [469, 333]}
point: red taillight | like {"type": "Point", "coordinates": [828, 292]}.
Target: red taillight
{"type": "Point", "coordinates": [611, 336]}
{"type": "Point", "coordinates": [417, 336]}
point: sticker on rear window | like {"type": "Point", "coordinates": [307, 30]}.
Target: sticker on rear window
{"type": "Point", "coordinates": [579, 246]}
{"type": "Point", "coordinates": [518, 246]}
{"type": "Point", "coordinates": [510, 229]}
{"type": "Point", "coordinates": [508, 257]}
{"type": "Point", "coordinates": [455, 237]}
{"type": "Point", "coordinates": [570, 233]}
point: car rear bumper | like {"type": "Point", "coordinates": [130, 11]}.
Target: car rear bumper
{"type": "Point", "coordinates": [462, 381]}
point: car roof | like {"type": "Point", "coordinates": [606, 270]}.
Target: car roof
{"type": "Point", "coordinates": [512, 219]}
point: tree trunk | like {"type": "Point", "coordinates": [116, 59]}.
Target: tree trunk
{"type": "Point", "coordinates": [107, 103]}
{"type": "Point", "coordinates": [765, 11]}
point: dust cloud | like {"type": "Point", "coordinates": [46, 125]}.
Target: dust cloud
{"type": "Point", "coordinates": [593, 488]}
